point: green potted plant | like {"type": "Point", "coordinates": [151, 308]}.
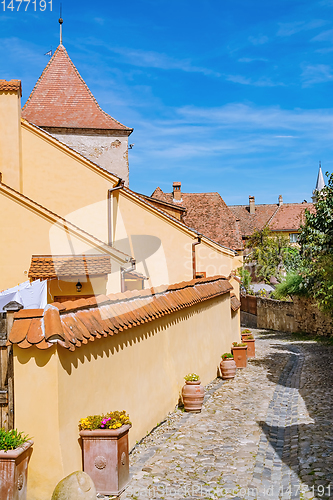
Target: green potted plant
{"type": "Point", "coordinates": [240, 354]}
{"type": "Point", "coordinates": [245, 333]}
{"type": "Point", "coordinates": [250, 342]}
{"type": "Point", "coordinates": [228, 366]}
{"type": "Point", "coordinates": [15, 452]}
{"type": "Point", "coordinates": [105, 450]}
{"type": "Point", "coordinates": [193, 393]}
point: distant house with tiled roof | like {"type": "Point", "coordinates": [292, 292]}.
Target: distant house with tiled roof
{"type": "Point", "coordinates": [62, 104]}
{"type": "Point", "coordinates": [280, 218]}
{"type": "Point", "coordinates": [205, 212]}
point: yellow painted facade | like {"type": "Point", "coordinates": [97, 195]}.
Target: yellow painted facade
{"type": "Point", "coordinates": [10, 139]}
{"type": "Point", "coordinates": [55, 388]}
{"type": "Point", "coordinates": [140, 370]}
{"type": "Point", "coordinates": [72, 187]}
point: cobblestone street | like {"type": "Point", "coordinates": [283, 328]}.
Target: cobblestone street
{"type": "Point", "coordinates": [265, 434]}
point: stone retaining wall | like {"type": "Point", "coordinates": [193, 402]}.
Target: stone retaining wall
{"type": "Point", "coordinates": [300, 315]}
{"type": "Point", "coordinates": [275, 315]}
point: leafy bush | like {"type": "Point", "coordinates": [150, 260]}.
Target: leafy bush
{"type": "Point", "coordinates": [9, 440]}
{"type": "Point", "coordinates": [236, 344]}
{"type": "Point", "coordinates": [112, 420]}
{"type": "Point", "coordinates": [292, 285]}
{"type": "Point", "coordinates": [191, 377]}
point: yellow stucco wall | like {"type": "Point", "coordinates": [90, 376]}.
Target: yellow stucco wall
{"type": "Point", "coordinates": [162, 250]}
{"type": "Point", "coordinates": [10, 139]}
{"type": "Point", "coordinates": [65, 184]}
{"type": "Point", "coordinates": [140, 370]}
{"type": "Point", "coordinates": [27, 232]}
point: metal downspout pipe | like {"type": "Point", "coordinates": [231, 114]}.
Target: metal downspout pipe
{"type": "Point", "coordinates": [193, 255]}
{"type": "Point", "coordinates": [110, 191]}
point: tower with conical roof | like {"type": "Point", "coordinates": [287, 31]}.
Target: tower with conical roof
{"type": "Point", "coordinates": [62, 104]}
{"type": "Point", "coordinates": [319, 185]}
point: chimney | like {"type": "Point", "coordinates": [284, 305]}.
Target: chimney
{"type": "Point", "coordinates": [252, 205]}
{"type": "Point", "coordinates": [177, 194]}
{"type": "Point", "coordinates": [280, 200]}
{"type": "Point", "coordinates": [10, 133]}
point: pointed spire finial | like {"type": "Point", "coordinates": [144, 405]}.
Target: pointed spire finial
{"type": "Point", "coordinates": [60, 22]}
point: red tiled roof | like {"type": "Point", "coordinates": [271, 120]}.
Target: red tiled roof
{"type": "Point", "coordinates": [290, 216]}
{"type": "Point", "coordinates": [72, 324]}
{"type": "Point", "coordinates": [61, 98]}
{"type": "Point", "coordinates": [286, 217]}
{"type": "Point", "coordinates": [208, 214]}
{"type": "Point", "coordinates": [54, 266]}
{"type": "Point", "coordinates": [11, 86]}
{"type": "Point", "coordinates": [253, 222]}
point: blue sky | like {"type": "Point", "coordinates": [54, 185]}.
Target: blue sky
{"type": "Point", "coordinates": [234, 97]}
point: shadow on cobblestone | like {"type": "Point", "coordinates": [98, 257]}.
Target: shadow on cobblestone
{"type": "Point", "coordinates": [297, 444]}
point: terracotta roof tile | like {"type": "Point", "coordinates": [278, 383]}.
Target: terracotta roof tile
{"type": "Point", "coordinates": [35, 333]}
{"type": "Point", "coordinates": [54, 266]}
{"type": "Point", "coordinates": [52, 323]}
{"type": "Point", "coordinates": [11, 86]}
{"type": "Point", "coordinates": [285, 217]}
{"type": "Point", "coordinates": [84, 321]}
{"type": "Point", "coordinates": [208, 214]}
{"type": "Point", "coordinates": [290, 216]}
{"type": "Point", "coordinates": [19, 330]}
{"type": "Point", "coordinates": [61, 98]}
{"type": "Point", "coordinates": [234, 302]}
{"type": "Point", "coordinates": [249, 223]}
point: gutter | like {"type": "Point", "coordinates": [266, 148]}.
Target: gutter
{"type": "Point", "coordinates": [193, 255]}
{"type": "Point", "coordinates": [119, 186]}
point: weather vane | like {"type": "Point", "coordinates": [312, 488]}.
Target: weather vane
{"type": "Point", "coordinates": [60, 22]}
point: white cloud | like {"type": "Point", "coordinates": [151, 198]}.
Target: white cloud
{"type": "Point", "coordinates": [325, 36]}
{"type": "Point", "coordinates": [289, 29]}
{"type": "Point", "coordinates": [318, 73]}
{"type": "Point", "coordinates": [261, 82]}
{"type": "Point", "coordinates": [258, 40]}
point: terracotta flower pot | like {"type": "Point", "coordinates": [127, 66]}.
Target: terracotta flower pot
{"type": "Point", "coordinates": [13, 472]}
{"type": "Point", "coordinates": [193, 395]}
{"type": "Point", "coordinates": [245, 336]}
{"type": "Point", "coordinates": [251, 349]}
{"type": "Point", "coordinates": [240, 356]}
{"type": "Point", "coordinates": [228, 368]}
{"type": "Point", "coordinates": [105, 458]}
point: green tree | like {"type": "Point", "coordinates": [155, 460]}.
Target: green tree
{"type": "Point", "coordinates": [272, 254]}
{"type": "Point", "coordinates": [316, 240]}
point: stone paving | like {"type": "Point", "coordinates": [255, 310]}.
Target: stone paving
{"type": "Point", "coordinates": [267, 434]}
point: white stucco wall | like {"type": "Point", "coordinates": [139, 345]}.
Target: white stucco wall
{"type": "Point", "coordinates": [110, 151]}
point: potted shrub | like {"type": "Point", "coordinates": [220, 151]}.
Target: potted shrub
{"type": "Point", "coordinates": [228, 366]}
{"type": "Point", "coordinates": [250, 342]}
{"type": "Point", "coordinates": [105, 450]}
{"type": "Point", "coordinates": [15, 452]}
{"type": "Point", "coordinates": [240, 354]}
{"type": "Point", "coordinates": [193, 393]}
{"type": "Point", "coordinates": [245, 334]}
